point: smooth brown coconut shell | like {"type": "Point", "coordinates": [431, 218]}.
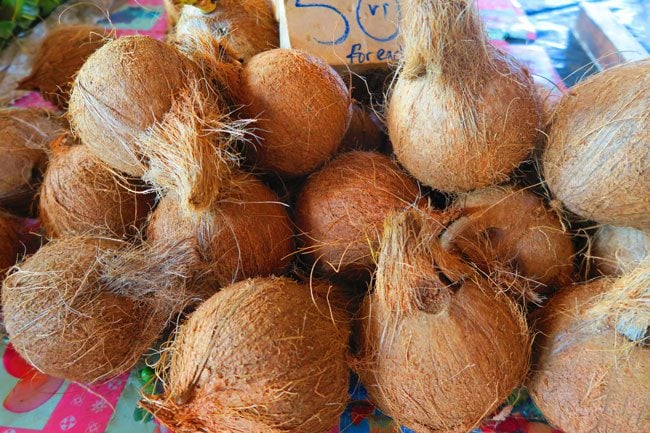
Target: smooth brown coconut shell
{"type": "Point", "coordinates": [247, 232]}
{"type": "Point", "coordinates": [461, 115]}
{"type": "Point", "coordinates": [588, 378]}
{"type": "Point", "coordinates": [23, 155]}
{"type": "Point", "coordinates": [80, 195]}
{"type": "Point", "coordinates": [616, 250]}
{"type": "Point", "coordinates": [61, 54]}
{"type": "Point", "coordinates": [511, 230]}
{"type": "Point", "coordinates": [64, 317]}
{"type": "Point", "coordinates": [302, 109]}
{"type": "Point", "coordinates": [341, 209]}
{"type": "Point", "coordinates": [598, 151]}
{"type": "Point", "coordinates": [10, 246]}
{"type": "Point", "coordinates": [365, 132]}
{"type": "Point", "coordinates": [262, 355]}
{"type": "Point", "coordinates": [426, 331]}
{"type": "Point", "coordinates": [248, 27]}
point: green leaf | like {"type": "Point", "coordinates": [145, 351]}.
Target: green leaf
{"type": "Point", "coordinates": [47, 6]}
{"type": "Point", "coordinates": [7, 29]}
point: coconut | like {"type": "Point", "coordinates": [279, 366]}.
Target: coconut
{"type": "Point", "coordinates": [616, 250]}
{"type": "Point", "coordinates": [23, 157]}
{"type": "Point", "coordinates": [435, 332]}
{"type": "Point", "coordinates": [598, 153]}
{"type": "Point", "coordinates": [150, 114]}
{"type": "Point", "coordinates": [510, 230]}
{"type": "Point", "coordinates": [60, 56]}
{"type": "Point", "coordinates": [10, 247]}
{"type": "Point", "coordinates": [340, 211]}
{"type": "Point", "coordinates": [365, 132]}
{"type": "Point", "coordinates": [80, 195]}
{"type": "Point", "coordinates": [246, 233]}
{"type": "Point", "coordinates": [589, 377]}
{"type": "Point", "coordinates": [86, 308]}
{"type": "Point", "coordinates": [461, 114]}
{"type": "Point", "coordinates": [247, 26]}
{"type": "Point", "coordinates": [262, 355]}
{"type": "Point", "coordinates": [172, 10]}
{"type": "Point", "coordinates": [294, 137]}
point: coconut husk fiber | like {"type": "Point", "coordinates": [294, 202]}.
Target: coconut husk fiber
{"type": "Point", "coordinates": [80, 195]}
{"type": "Point", "coordinates": [262, 355]}
{"type": "Point", "coordinates": [588, 376]}
{"type": "Point", "coordinates": [60, 56]}
{"type": "Point", "coordinates": [511, 230]}
{"type": "Point", "coordinates": [151, 114]}
{"type": "Point", "coordinates": [617, 250]}
{"type": "Point", "coordinates": [440, 346]}
{"type": "Point", "coordinates": [10, 246]}
{"type": "Point", "coordinates": [366, 132]}
{"type": "Point", "coordinates": [23, 155]}
{"type": "Point", "coordinates": [302, 110]}
{"type": "Point", "coordinates": [341, 208]}
{"type": "Point", "coordinates": [248, 27]}
{"type": "Point", "coordinates": [461, 115]}
{"type": "Point", "coordinates": [87, 308]}
{"type": "Point", "coordinates": [598, 153]}
{"type": "Point", "coordinates": [246, 233]}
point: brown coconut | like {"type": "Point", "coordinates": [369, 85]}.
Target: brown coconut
{"type": "Point", "coordinates": [262, 355]}
{"type": "Point", "coordinates": [246, 233]}
{"type": "Point", "coordinates": [247, 26]}
{"type": "Point", "coordinates": [461, 114]}
{"type": "Point", "coordinates": [150, 114]}
{"type": "Point", "coordinates": [588, 376]}
{"type": "Point", "coordinates": [365, 132]}
{"type": "Point", "coordinates": [511, 231]}
{"type": "Point", "coordinates": [10, 246]}
{"type": "Point", "coordinates": [172, 10]}
{"type": "Point", "coordinates": [341, 209]}
{"type": "Point", "coordinates": [61, 54]}
{"type": "Point", "coordinates": [598, 151]}
{"type": "Point", "coordinates": [80, 195]}
{"type": "Point", "coordinates": [86, 309]}
{"type": "Point", "coordinates": [441, 347]}
{"type": "Point", "coordinates": [23, 156]}
{"type": "Point", "coordinates": [302, 108]}
{"type": "Point", "coordinates": [616, 250]}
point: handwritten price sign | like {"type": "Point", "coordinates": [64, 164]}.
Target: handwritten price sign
{"type": "Point", "coordinates": [355, 34]}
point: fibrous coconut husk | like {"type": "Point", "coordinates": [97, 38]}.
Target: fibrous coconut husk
{"type": "Point", "coordinates": [511, 231]}
{"type": "Point", "coordinates": [598, 153]}
{"type": "Point", "coordinates": [246, 233]}
{"type": "Point", "coordinates": [80, 195]}
{"type": "Point", "coordinates": [23, 155]}
{"type": "Point", "coordinates": [616, 250]}
{"type": "Point", "coordinates": [10, 246]}
{"type": "Point", "coordinates": [86, 308]}
{"type": "Point", "coordinates": [60, 56]}
{"type": "Point", "coordinates": [588, 376]}
{"type": "Point", "coordinates": [262, 355]}
{"type": "Point", "coordinates": [440, 346]}
{"type": "Point", "coordinates": [461, 114]}
{"type": "Point", "coordinates": [302, 110]}
{"type": "Point", "coordinates": [366, 132]}
{"type": "Point", "coordinates": [341, 208]}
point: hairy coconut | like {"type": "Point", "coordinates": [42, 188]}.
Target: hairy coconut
{"type": "Point", "coordinates": [61, 54]}
{"type": "Point", "coordinates": [86, 309]}
{"type": "Point", "coordinates": [262, 355]}
{"type": "Point", "coordinates": [23, 157]}
{"type": "Point", "coordinates": [172, 10]}
{"type": "Point", "coordinates": [461, 114]}
{"type": "Point", "coordinates": [10, 247]}
{"type": "Point", "coordinates": [441, 347]}
{"type": "Point", "coordinates": [246, 233]}
{"type": "Point", "coordinates": [590, 378]}
{"type": "Point", "coordinates": [616, 250]}
{"type": "Point", "coordinates": [598, 155]}
{"type": "Point", "coordinates": [294, 137]}
{"type": "Point", "coordinates": [341, 209]}
{"type": "Point", "coordinates": [80, 195]}
{"type": "Point", "coordinates": [150, 114]}
{"type": "Point", "coordinates": [247, 26]}
{"type": "Point", "coordinates": [511, 231]}
{"type": "Point", "coordinates": [365, 132]}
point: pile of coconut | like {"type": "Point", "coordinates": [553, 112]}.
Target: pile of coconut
{"type": "Point", "coordinates": [247, 212]}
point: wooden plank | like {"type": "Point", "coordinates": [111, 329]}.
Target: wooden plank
{"type": "Point", "coordinates": [605, 41]}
